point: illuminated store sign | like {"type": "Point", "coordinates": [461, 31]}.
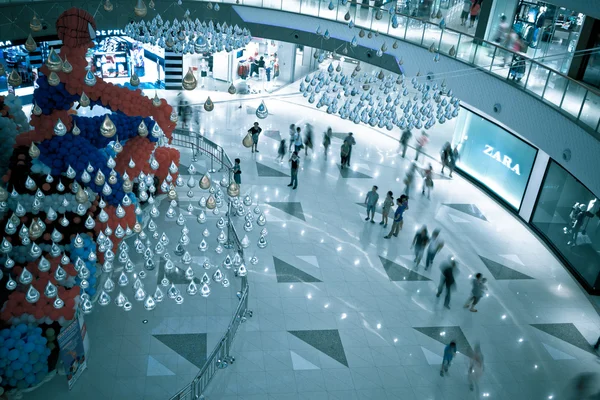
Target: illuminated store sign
{"type": "Point", "coordinates": [115, 32]}
{"type": "Point", "coordinates": [504, 160]}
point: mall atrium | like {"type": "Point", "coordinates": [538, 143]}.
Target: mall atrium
{"type": "Point", "coordinates": [299, 199]}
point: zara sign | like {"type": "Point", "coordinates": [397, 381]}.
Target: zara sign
{"type": "Point", "coordinates": [502, 159]}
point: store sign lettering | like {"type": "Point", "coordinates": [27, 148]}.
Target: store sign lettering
{"type": "Point", "coordinates": [115, 32]}
{"type": "Point", "coordinates": [502, 159]}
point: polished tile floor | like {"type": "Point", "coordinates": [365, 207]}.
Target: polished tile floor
{"type": "Point", "coordinates": [340, 312]}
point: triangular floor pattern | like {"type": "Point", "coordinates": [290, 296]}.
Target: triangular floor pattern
{"type": "Point", "coordinates": [299, 363]}
{"type": "Point", "coordinates": [293, 208]}
{"type": "Point", "coordinates": [447, 334]}
{"type": "Point", "coordinates": [288, 273]}
{"type": "Point", "coordinates": [191, 346]}
{"type": "Point", "coordinates": [502, 272]}
{"type": "Point", "coordinates": [469, 209]}
{"type": "Point", "coordinates": [156, 368]}
{"type": "Point", "coordinates": [268, 172]}
{"type": "Point", "coordinates": [327, 341]}
{"type": "Point", "coordinates": [399, 273]}
{"type": "Point", "coordinates": [568, 333]}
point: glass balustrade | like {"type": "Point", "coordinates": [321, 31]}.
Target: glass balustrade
{"type": "Point", "coordinates": [571, 97]}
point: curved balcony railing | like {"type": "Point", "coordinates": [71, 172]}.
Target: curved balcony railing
{"type": "Point", "coordinates": [574, 99]}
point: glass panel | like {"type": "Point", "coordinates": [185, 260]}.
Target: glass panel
{"type": "Point", "coordinates": [256, 3]}
{"type": "Point", "coordinates": [591, 110]}
{"type": "Point", "coordinates": [466, 49]}
{"type": "Point", "coordinates": [293, 6]}
{"type": "Point", "coordinates": [310, 7]}
{"type": "Point", "coordinates": [414, 32]}
{"type": "Point", "coordinates": [325, 12]}
{"type": "Point", "coordinates": [449, 40]}
{"type": "Point", "coordinates": [555, 88]}
{"type": "Point", "coordinates": [503, 60]}
{"type": "Point", "coordinates": [500, 161]}
{"type": "Point", "coordinates": [484, 55]}
{"type": "Point", "coordinates": [276, 4]}
{"type": "Point", "coordinates": [573, 98]}
{"type": "Point", "coordinates": [569, 226]}
{"type": "Point", "coordinates": [381, 25]}
{"type": "Point", "coordinates": [398, 26]}
{"type": "Point", "coordinates": [432, 35]}
{"type": "Point", "coordinates": [363, 15]}
{"type": "Point", "coordinates": [537, 79]}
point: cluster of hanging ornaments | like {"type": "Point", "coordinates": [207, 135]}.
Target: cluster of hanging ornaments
{"type": "Point", "coordinates": [380, 100]}
{"type": "Point", "coordinates": [189, 37]}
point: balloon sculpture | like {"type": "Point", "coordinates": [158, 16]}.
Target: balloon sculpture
{"type": "Point", "coordinates": [69, 186]}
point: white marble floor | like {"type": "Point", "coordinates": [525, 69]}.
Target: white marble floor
{"type": "Point", "coordinates": [338, 314]}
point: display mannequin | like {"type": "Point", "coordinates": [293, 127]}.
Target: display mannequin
{"type": "Point", "coordinates": [580, 216]}
{"type": "Point", "coordinates": [203, 71]}
{"type": "Point", "coordinates": [540, 21]}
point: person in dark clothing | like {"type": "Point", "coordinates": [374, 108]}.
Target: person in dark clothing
{"type": "Point", "coordinates": [255, 132]}
{"type": "Point", "coordinates": [327, 140]}
{"type": "Point", "coordinates": [237, 172]}
{"type": "Point", "coordinates": [281, 150]}
{"type": "Point", "coordinates": [351, 142]}
{"type": "Point", "coordinates": [261, 62]}
{"type": "Point", "coordinates": [404, 139]}
{"type": "Point", "coordinates": [295, 164]}
{"type": "Point", "coordinates": [419, 243]}
{"type": "Point", "coordinates": [447, 280]}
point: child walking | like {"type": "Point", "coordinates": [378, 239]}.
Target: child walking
{"type": "Point", "coordinates": [449, 353]}
{"type": "Point", "coordinates": [387, 206]}
{"type": "Point", "coordinates": [237, 172]}
{"type": "Point", "coordinates": [476, 292]}
{"type": "Point", "coordinates": [281, 150]}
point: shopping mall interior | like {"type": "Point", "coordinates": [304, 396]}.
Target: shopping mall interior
{"type": "Point", "coordinates": [299, 199]}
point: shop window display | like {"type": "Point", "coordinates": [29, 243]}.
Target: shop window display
{"type": "Point", "coordinates": [568, 215]}
{"type": "Point", "coordinates": [493, 156]}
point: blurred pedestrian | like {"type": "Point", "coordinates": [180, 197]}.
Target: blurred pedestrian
{"type": "Point", "coordinates": [447, 280]}
{"type": "Point", "coordinates": [308, 138]}
{"type": "Point", "coordinates": [409, 178]}
{"type": "Point", "coordinates": [474, 13]}
{"type": "Point", "coordinates": [281, 150]}
{"type": "Point", "coordinates": [449, 353]}
{"type": "Point", "coordinates": [421, 144]}
{"type": "Point", "coordinates": [295, 165]}
{"type": "Point", "coordinates": [435, 245]}
{"type": "Point", "coordinates": [255, 132]}
{"type": "Point", "coordinates": [475, 368]}
{"type": "Point", "coordinates": [344, 153]}
{"type": "Point", "coordinates": [298, 140]}
{"type": "Point", "coordinates": [404, 139]}
{"type": "Point", "coordinates": [327, 140]}
{"type": "Point", "coordinates": [427, 180]}
{"type": "Point", "coordinates": [419, 243]}
{"type": "Point", "coordinates": [464, 15]}
{"type": "Point", "coordinates": [385, 210]}
{"type": "Point", "coordinates": [371, 202]}
{"type": "Point", "coordinates": [402, 206]}
{"type": "Point", "coordinates": [445, 155]}
{"type": "Point", "coordinates": [292, 135]}
{"type": "Point", "coordinates": [237, 172]}
{"type": "Point", "coordinates": [454, 156]}
{"type": "Point", "coordinates": [477, 292]}
{"type": "Point", "coordinates": [351, 142]}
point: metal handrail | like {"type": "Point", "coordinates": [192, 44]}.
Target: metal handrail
{"type": "Point", "coordinates": [220, 357]}
{"type": "Point", "coordinates": [570, 89]}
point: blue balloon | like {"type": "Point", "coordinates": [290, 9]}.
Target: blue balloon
{"type": "Point", "coordinates": [13, 354]}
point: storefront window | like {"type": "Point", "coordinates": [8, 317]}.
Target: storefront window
{"type": "Point", "coordinates": [493, 156]}
{"type": "Point", "coordinates": [568, 214]}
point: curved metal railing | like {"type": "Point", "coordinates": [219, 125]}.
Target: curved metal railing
{"type": "Point", "coordinates": [220, 357]}
{"type": "Point", "coordinates": [576, 100]}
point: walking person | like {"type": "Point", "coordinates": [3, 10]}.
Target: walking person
{"type": "Point", "coordinates": [445, 155]}
{"type": "Point", "coordinates": [308, 138]}
{"type": "Point", "coordinates": [237, 172]}
{"type": "Point", "coordinates": [447, 280]}
{"type": "Point", "coordinates": [402, 206]}
{"type": "Point", "coordinates": [404, 139]}
{"type": "Point", "coordinates": [419, 243]}
{"type": "Point", "coordinates": [475, 368]}
{"type": "Point", "coordinates": [421, 143]}
{"type": "Point", "coordinates": [298, 140]}
{"type": "Point", "coordinates": [295, 164]}
{"type": "Point", "coordinates": [476, 292]}
{"type": "Point", "coordinates": [371, 202]}
{"type": "Point", "coordinates": [427, 181]}
{"type": "Point", "coordinates": [292, 135]}
{"type": "Point", "coordinates": [255, 132]}
{"type": "Point", "coordinates": [454, 156]}
{"type": "Point", "coordinates": [474, 13]}
{"type": "Point", "coordinates": [435, 245]}
{"type": "Point", "coordinates": [464, 15]}
{"type": "Point", "coordinates": [281, 150]}
{"type": "Point", "coordinates": [351, 142]}
{"type": "Point", "coordinates": [409, 178]}
{"type": "Point", "coordinates": [327, 140]}
{"type": "Point", "coordinates": [387, 206]}
{"type": "Point", "coordinates": [344, 153]}
{"type": "Point", "coordinates": [449, 353]}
